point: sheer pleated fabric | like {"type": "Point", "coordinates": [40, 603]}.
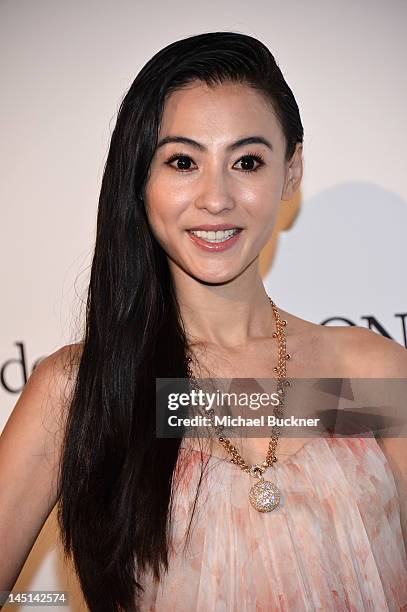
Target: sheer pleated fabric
{"type": "Point", "coordinates": [333, 543]}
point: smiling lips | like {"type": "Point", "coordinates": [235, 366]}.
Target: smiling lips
{"type": "Point", "coordinates": [215, 237]}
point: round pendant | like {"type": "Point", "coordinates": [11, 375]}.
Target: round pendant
{"type": "Point", "coordinates": [264, 496]}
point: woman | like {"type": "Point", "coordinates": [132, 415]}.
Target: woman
{"type": "Point", "coordinates": [208, 141]}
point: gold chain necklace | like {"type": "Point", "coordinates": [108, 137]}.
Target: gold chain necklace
{"type": "Point", "coordinates": [264, 495]}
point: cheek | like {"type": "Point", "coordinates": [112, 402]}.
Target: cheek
{"type": "Point", "coordinates": [262, 202]}
{"type": "Point", "coordinates": [263, 211]}
{"type": "Point", "coordinates": [155, 201]}
{"type": "Point", "coordinates": [162, 213]}
{"type": "Point", "coordinates": [154, 208]}
{"type": "Point", "coordinates": [166, 200]}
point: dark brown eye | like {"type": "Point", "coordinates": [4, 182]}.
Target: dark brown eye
{"type": "Point", "coordinates": [183, 162]}
{"type": "Point", "coordinates": [248, 161]}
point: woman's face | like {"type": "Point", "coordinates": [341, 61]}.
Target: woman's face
{"type": "Point", "coordinates": [213, 178]}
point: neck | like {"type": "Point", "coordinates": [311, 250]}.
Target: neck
{"type": "Point", "coordinates": [227, 315]}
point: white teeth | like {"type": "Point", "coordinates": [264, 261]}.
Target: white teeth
{"type": "Point", "coordinates": [219, 236]}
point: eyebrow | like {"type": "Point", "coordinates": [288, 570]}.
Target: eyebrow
{"type": "Point", "coordinates": [201, 147]}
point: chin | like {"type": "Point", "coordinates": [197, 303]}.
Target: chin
{"type": "Point", "coordinates": [215, 278]}
{"type": "Point", "coordinates": [216, 275]}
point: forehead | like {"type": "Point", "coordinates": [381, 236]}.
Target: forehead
{"type": "Point", "coordinates": [209, 111]}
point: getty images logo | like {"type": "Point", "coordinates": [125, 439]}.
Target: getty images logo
{"type": "Point", "coordinates": [17, 368]}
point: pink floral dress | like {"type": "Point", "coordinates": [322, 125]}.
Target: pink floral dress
{"type": "Point", "coordinates": [333, 543]}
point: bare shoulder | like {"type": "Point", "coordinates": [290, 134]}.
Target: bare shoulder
{"type": "Point", "coordinates": [50, 387]}
{"type": "Point", "coordinates": [59, 369]}
{"type": "Point", "coordinates": [37, 421]}
{"type": "Point", "coordinates": [341, 351]}
{"type": "Point", "coordinates": [364, 353]}
{"type": "Point", "coordinates": [63, 358]}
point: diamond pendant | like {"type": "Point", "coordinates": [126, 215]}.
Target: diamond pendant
{"type": "Point", "coordinates": [264, 495]}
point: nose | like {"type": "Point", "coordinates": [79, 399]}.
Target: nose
{"type": "Point", "coordinates": [215, 191]}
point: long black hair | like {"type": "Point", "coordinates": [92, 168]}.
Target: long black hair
{"type": "Point", "coordinates": [116, 476]}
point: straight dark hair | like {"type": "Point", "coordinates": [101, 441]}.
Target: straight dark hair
{"type": "Point", "coordinates": [116, 477]}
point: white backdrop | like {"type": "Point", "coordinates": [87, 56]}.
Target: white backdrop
{"type": "Point", "coordinates": [64, 69]}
